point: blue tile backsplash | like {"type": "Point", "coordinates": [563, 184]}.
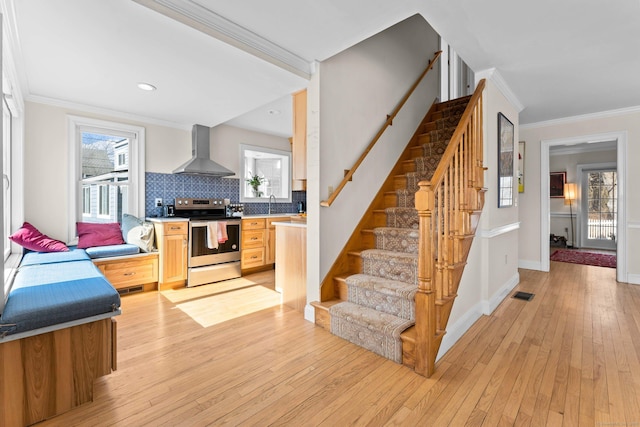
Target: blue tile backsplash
{"type": "Point", "coordinates": [168, 186]}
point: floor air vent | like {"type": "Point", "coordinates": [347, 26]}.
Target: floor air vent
{"type": "Point", "coordinates": [132, 289]}
{"type": "Point", "coordinates": [523, 295]}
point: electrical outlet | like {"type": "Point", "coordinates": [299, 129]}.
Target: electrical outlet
{"type": "Point", "coordinates": [158, 201]}
{"type": "Point", "coordinates": [330, 189]}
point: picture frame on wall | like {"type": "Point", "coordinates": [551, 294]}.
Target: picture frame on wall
{"type": "Point", "coordinates": [521, 167]}
{"type": "Point", "coordinates": [505, 161]}
{"type": "Point", "coordinates": [556, 184]}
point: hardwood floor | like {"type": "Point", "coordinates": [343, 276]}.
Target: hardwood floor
{"type": "Point", "coordinates": [570, 356]}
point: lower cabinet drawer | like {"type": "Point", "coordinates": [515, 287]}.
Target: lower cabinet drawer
{"type": "Point", "coordinates": [128, 273]}
{"type": "Point", "coordinates": [252, 257]}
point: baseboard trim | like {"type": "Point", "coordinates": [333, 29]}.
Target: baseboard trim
{"type": "Point", "coordinates": [633, 279]}
{"type": "Point", "coordinates": [462, 325]}
{"type": "Point", "coordinates": [310, 313]}
{"type": "Point", "coordinates": [529, 265]}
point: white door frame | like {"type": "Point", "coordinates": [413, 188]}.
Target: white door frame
{"type": "Point", "coordinates": [621, 145]}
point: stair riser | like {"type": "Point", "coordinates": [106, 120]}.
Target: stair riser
{"type": "Point", "coordinates": [383, 302]}
{"type": "Point", "coordinates": [403, 219]}
{"type": "Point", "coordinates": [405, 241]}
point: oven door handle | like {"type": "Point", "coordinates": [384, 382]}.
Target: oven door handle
{"type": "Point", "coordinates": [204, 223]}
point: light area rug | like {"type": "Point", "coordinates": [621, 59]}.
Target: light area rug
{"type": "Point", "coordinates": [585, 258]}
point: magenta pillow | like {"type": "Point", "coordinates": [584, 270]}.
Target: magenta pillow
{"type": "Point", "coordinates": [31, 238]}
{"type": "Point", "coordinates": [98, 234]}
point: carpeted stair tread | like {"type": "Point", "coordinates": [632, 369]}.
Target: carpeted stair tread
{"type": "Point", "coordinates": [389, 296]}
{"type": "Point", "coordinates": [374, 330]}
{"type": "Point", "coordinates": [396, 239]}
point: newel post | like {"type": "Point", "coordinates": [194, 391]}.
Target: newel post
{"type": "Point", "coordinates": [426, 296]}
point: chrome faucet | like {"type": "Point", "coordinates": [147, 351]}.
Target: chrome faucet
{"type": "Point", "coordinates": [274, 201]}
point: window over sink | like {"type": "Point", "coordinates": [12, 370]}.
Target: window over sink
{"type": "Point", "coordinates": [264, 172]}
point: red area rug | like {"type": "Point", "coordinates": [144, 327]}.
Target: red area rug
{"type": "Point", "coordinates": [586, 258]}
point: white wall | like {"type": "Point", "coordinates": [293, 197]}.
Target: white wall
{"type": "Point", "coordinates": [357, 89]}
{"type": "Point", "coordinates": [226, 140]}
{"type": "Point", "coordinates": [623, 122]}
{"type": "Point", "coordinates": [46, 168]}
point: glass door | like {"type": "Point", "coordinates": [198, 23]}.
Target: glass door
{"type": "Point", "coordinates": [600, 208]}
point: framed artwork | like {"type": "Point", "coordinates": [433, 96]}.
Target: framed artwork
{"type": "Point", "coordinates": [556, 184]}
{"type": "Point", "coordinates": [505, 162]}
{"type": "Point", "coordinates": [521, 167]}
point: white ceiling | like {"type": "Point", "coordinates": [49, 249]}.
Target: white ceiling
{"type": "Point", "coordinates": [560, 59]}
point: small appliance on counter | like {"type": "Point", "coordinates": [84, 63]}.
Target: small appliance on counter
{"type": "Point", "coordinates": [301, 207]}
{"type": "Point", "coordinates": [169, 210]}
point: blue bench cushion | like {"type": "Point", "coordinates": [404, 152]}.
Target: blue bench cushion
{"type": "Point", "coordinates": [112, 250]}
{"type": "Point", "coordinates": [36, 258]}
{"type": "Point", "coordinates": [49, 294]}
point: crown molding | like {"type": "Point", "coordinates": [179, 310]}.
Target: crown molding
{"type": "Point", "coordinates": [583, 117]}
{"type": "Point", "coordinates": [496, 78]}
{"type": "Point", "coordinates": [105, 112]}
{"type": "Point", "coordinates": [202, 19]}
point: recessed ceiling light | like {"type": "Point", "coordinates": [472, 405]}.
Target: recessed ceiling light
{"type": "Point", "coordinates": [146, 86]}
{"type": "Point", "coordinates": [273, 112]}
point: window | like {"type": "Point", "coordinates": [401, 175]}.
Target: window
{"type": "Point", "coordinates": [6, 176]}
{"type": "Point", "coordinates": [271, 173]}
{"type": "Point", "coordinates": [109, 171]}
{"type": "Point", "coordinates": [86, 200]}
{"type": "Point", "coordinates": [104, 201]}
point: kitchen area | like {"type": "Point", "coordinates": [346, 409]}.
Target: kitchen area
{"type": "Point", "coordinates": [211, 226]}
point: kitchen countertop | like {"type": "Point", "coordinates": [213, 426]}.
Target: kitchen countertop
{"type": "Point", "coordinates": [290, 224]}
{"type": "Point", "coordinates": [273, 215]}
{"type": "Point", "coordinates": [166, 219]}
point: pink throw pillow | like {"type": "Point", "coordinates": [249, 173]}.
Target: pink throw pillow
{"type": "Point", "coordinates": [31, 238]}
{"type": "Point", "coordinates": [98, 234]}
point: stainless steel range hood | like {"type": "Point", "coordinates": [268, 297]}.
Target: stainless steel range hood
{"type": "Point", "coordinates": [200, 162]}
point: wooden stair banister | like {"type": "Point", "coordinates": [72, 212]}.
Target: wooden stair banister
{"type": "Point", "coordinates": [445, 206]}
{"type": "Point", "coordinates": [388, 122]}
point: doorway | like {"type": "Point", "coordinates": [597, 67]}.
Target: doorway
{"type": "Point", "coordinates": [620, 139]}
{"type": "Point", "coordinates": [599, 207]}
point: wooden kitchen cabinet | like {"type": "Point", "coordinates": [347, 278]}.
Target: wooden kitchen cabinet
{"type": "Point", "coordinates": [172, 238]}
{"type": "Point", "coordinates": [299, 139]}
{"type": "Point", "coordinates": [259, 242]}
{"type": "Point", "coordinates": [130, 273]}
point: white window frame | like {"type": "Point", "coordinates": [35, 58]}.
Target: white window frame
{"type": "Point", "coordinates": [136, 166]}
{"type": "Point", "coordinates": [286, 176]}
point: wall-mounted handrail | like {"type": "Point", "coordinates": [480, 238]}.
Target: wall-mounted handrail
{"type": "Point", "coordinates": [386, 124]}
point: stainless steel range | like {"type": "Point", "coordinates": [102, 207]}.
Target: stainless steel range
{"type": "Point", "coordinates": [214, 240]}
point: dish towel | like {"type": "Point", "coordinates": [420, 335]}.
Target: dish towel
{"type": "Point", "coordinates": [212, 234]}
{"type": "Point", "coordinates": [222, 232]}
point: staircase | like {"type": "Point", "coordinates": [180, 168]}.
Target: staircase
{"type": "Point", "coordinates": [370, 296]}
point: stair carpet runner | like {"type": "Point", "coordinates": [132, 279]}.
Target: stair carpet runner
{"type": "Point", "coordinates": [381, 299]}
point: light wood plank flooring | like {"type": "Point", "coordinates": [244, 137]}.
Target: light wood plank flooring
{"type": "Point", "coordinates": [568, 357]}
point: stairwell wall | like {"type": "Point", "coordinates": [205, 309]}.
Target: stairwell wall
{"type": "Point", "coordinates": [492, 266]}
{"type": "Point", "coordinates": [357, 89]}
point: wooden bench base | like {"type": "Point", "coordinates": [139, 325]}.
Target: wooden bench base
{"type": "Point", "coordinates": [47, 374]}
{"type": "Point", "coordinates": [131, 271]}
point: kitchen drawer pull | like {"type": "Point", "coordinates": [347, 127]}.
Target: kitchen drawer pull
{"type": "Point", "coordinates": [130, 274]}
{"type": "Point", "coordinates": [254, 257]}
{"type": "Point", "coordinates": [254, 238]}
{"type": "Point", "coordinates": [175, 228]}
